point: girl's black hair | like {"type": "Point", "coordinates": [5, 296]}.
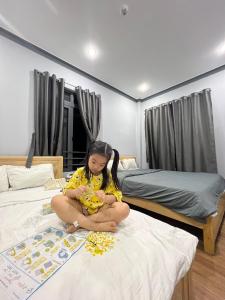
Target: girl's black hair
{"type": "Point", "coordinates": [106, 150]}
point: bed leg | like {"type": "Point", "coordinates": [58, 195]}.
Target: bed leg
{"type": "Point", "coordinates": [183, 289]}
{"type": "Point", "coordinates": [187, 291]}
{"type": "Point", "coordinates": [208, 239]}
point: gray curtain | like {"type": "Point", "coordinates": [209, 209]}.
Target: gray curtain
{"type": "Point", "coordinates": [190, 134]}
{"type": "Point", "coordinates": [48, 115]}
{"type": "Point", "coordinates": [194, 133]}
{"type": "Point", "coordinates": [159, 135]}
{"type": "Point", "coordinates": [90, 108]}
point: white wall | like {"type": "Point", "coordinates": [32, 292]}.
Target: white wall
{"type": "Point", "coordinates": [122, 120]}
{"type": "Point", "coordinates": [119, 114]}
{"type": "Point", "coordinates": [216, 83]}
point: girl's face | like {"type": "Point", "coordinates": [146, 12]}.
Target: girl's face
{"type": "Point", "coordinates": [96, 163]}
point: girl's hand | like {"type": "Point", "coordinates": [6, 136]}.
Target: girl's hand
{"type": "Point", "coordinates": [106, 199]}
{"type": "Point", "coordinates": [101, 195]}
{"type": "Point", "coordinates": [79, 191]}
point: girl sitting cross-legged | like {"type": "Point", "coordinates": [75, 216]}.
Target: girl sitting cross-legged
{"type": "Point", "coordinates": [92, 198]}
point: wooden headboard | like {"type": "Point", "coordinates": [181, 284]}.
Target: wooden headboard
{"type": "Point", "coordinates": [127, 156]}
{"type": "Point", "coordinates": [56, 161]}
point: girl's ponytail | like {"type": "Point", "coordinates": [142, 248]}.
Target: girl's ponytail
{"type": "Point", "coordinates": [114, 168]}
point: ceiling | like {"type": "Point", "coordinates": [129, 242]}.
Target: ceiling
{"type": "Point", "coordinates": [161, 43]}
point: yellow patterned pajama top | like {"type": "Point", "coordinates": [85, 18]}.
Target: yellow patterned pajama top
{"type": "Point", "coordinates": [89, 200]}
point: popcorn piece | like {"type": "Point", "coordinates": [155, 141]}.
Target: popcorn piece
{"type": "Point", "coordinates": [99, 242]}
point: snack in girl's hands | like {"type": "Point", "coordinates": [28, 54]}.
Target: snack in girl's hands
{"type": "Point", "coordinates": [91, 200]}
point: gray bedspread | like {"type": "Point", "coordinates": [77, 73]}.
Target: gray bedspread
{"type": "Point", "coordinates": [192, 194]}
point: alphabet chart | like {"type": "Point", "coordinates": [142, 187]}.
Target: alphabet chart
{"type": "Point", "coordinates": [26, 266]}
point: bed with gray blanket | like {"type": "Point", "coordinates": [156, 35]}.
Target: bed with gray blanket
{"type": "Point", "coordinates": [193, 194]}
{"type": "Point", "coordinates": [192, 198]}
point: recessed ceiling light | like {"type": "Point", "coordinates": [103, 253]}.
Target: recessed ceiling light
{"type": "Point", "coordinates": [143, 87]}
{"type": "Point", "coordinates": [91, 51]}
{"type": "Point", "coordinates": [220, 50]}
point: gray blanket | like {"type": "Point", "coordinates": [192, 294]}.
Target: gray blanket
{"type": "Point", "coordinates": [192, 194]}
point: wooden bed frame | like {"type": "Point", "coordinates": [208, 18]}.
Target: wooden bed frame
{"type": "Point", "coordinates": [210, 228]}
{"type": "Point", "coordinates": [182, 290]}
{"type": "Point", "coordinates": [56, 161]}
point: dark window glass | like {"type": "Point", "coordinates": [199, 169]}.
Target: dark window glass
{"type": "Point", "coordinates": [74, 134]}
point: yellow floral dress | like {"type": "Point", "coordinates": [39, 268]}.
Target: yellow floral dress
{"type": "Point", "coordinates": [89, 200]}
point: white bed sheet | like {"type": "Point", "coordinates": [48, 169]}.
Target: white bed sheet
{"type": "Point", "coordinates": [148, 259]}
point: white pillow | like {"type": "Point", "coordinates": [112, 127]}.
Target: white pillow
{"type": "Point", "coordinates": [129, 164]}
{"type": "Point", "coordinates": [21, 177]}
{"type": "Point", "coordinates": [109, 166]}
{"type": "Point", "coordinates": [4, 183]}
{"type": "Point", "coordinates": [53, 184]}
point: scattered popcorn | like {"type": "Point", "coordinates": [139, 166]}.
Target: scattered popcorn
{"type": "Point", "coordinates": [99, 242]}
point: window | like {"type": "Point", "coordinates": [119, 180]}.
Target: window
{"type": "Point", "coordinates": [74, 133]}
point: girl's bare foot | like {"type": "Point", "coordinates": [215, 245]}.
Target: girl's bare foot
{"type": "Point", "coordinates": [71, 228]}
{"type": "Point", "coordinates": [105, 226]}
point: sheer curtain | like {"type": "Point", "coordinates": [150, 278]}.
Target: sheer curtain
{"type": "Point", "coordinates": [185, 142]}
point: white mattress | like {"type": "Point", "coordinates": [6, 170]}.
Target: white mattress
{"type": "Point", "coordinates": [148, 259]}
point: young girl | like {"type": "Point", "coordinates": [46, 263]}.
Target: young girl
{"type": "Point", "coordinates": [92, 199]}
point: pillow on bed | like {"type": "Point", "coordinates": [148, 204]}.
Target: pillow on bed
{"type": "Point", "coordinates": [4, 183]}
{"type": "Point", "coordinates": [129, 164]}
{"type": "Point", "coordinates": [21, 177]}
{"type": "Point", "coordinates": [120, 167]}
{"type": "Point", "coordinates": [53, 184]}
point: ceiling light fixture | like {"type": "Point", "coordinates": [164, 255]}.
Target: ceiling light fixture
{"type": "Point", "coordinates": [91, 51]}
{"type": "Point", "coordinates": [144, 87]}
{"type": "Point", "coordinates": [220, 50]}
{"type": "Point", "coordinates": [124, 10]}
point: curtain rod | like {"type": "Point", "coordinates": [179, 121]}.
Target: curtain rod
{"type": "Point", "coordinates": [66, 83]}
{"type": "Point", "coordinates": [177, 99]}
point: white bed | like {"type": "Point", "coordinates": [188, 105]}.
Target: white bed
{"type": "Point", "coordinates": [149, 257]}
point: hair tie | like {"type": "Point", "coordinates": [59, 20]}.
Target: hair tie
{"type": "Point", "coordinates": [105, 149]}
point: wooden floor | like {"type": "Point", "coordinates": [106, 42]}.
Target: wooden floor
{"type": "Point", "coordinates": [208, 272]}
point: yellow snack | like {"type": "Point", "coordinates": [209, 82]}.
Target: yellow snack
{"type": "Point", "coordinates": [99, 242]}
{"type": "Point", "coordinates": [91, 201]}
